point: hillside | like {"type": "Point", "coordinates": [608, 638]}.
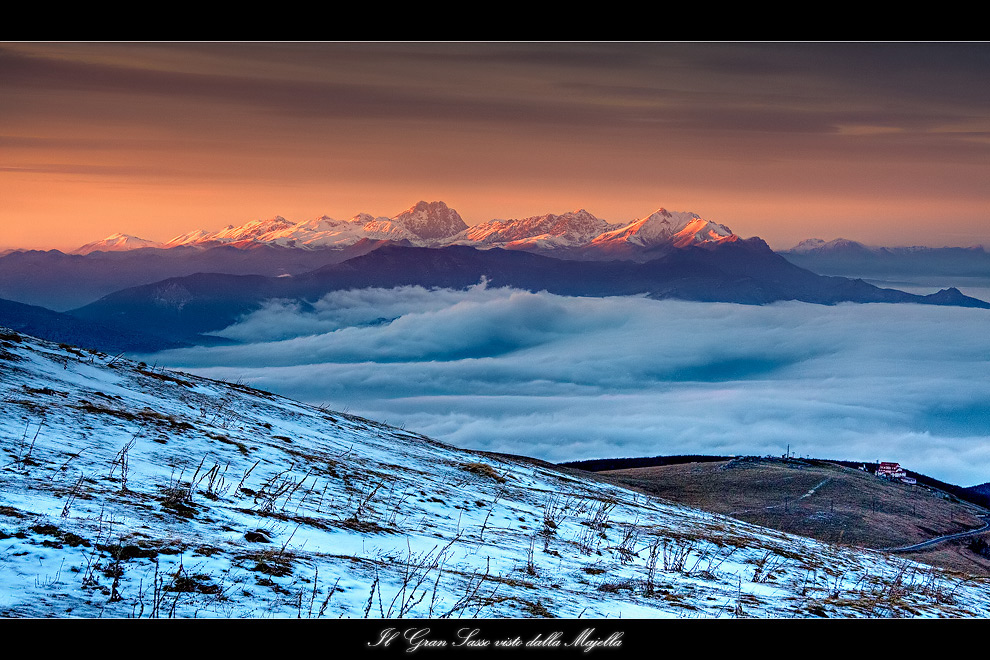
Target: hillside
{"type": "Point", "coordinates": [132, 491]}
{"type": "Point", "coordinates": [821, 500]}
{"type": "Point", "coordinates": [63, 328]}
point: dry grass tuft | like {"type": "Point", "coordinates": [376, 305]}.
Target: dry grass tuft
{"type": "Point", "coordinates": [484, 470]}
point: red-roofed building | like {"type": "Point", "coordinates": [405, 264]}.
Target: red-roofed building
{"type": "Point", "coordinates": [891, 471]}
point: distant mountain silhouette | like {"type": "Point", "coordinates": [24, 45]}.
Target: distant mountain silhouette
{"type": "Point", "coordinates": [845, 257]}
{"type": "Point", "coordinates": [62, 281]}
{"type": "Point", "coordinates": [743, 271]}
{"type": "Point", "coordinates": [63, 328]}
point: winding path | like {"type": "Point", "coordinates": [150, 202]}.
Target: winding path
{"type": "Point", "coordinates": [906, 548]}
{"type": "Point", "coordinates": [939, 539]}
{"type": "Point", "coordinates": [777, 506]}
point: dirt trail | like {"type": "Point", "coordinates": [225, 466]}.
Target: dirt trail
{"type": "Point", "coordinates": [777, 506]}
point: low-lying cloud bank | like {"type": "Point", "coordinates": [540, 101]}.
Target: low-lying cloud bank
{"type": "Point", "coordinates": [574, 378]}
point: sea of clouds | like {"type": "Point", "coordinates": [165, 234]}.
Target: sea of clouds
{"type": "Point", "coordinates": [564, 378]}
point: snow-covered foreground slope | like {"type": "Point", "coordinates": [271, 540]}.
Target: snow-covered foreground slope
{"type": "Point", "coordinates": [126, 490]}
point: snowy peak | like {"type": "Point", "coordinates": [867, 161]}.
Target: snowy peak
{"type": "Point", "coordinates": [808, 244]}
{"type": "Point", "coordinates": [323, 223]}
{"type": "Point", "coordinates": [365, 218]}
{"type": "Point", "coordinates": [117, 243]}
{"type": "Point", "coordinates": [190, 238]}
{"type": "Point", "coordinates": [430, 221]}
{"type": "Point", "coordinates": [703, 231]}
{"type": "Point", "coordinates": [817, 245]}
{"type": "Point", "coordinates": [254, 230]}
{"type": "Point", "coordinates": [572, 229]}
{"type": "Point", "coordinates": [663, 227]}
{"type": "Point", "coordinates": [319, 232]}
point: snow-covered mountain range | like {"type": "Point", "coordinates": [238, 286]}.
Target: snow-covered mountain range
{"type": "Point", "coordinates": [128, 490]}
{"type": "Point", "coordinates": [846, 257]}
{"type": "Point", "coordinates": [838, 245]}
{"type": "Point", "coordinates": [117, 243]}
{"type": "Point", "coordinates": [434, 224]}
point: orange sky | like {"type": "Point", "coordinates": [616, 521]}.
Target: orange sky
{"type": "Point", "coordinates": [883, 143]}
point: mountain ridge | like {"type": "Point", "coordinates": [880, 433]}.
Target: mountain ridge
{"type": "Point", "coordinates": [434, 224]}
{"type": "Point", "coordinates": [844, 257]}
{"type": "Point", "coordinates": [692, 259]}
{"type": "Point", "coordinates": [745, 271]}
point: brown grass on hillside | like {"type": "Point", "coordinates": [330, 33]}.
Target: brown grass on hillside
{"type": "Point", "coordinates": [820, 500]}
